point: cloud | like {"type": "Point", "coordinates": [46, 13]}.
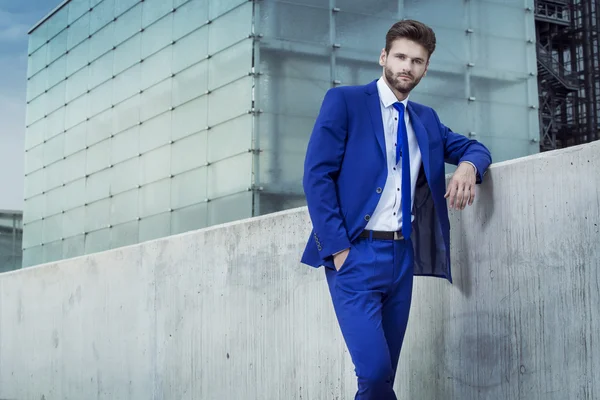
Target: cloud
{"type": "Point", "coordinates": [13, 32]}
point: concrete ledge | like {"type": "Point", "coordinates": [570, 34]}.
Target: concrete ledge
{"type": "Point", "coordinates": [229, 312]}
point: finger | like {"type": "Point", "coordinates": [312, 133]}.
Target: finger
{"type": "Point", "coordinates": [472, 196]}
{"type": "Point", "coordinates": [451, 193]}
{"type": "Point", "coordinates": [460, 196]}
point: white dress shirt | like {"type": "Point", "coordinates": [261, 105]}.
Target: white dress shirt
{"type": "Point", "coordinates": [388, 213]}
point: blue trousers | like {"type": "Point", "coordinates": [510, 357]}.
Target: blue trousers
{"type": "Point", "coordinates": [371, 296]}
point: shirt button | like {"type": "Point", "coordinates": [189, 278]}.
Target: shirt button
{"type": "Point", "coordinates": [379, 190]}
{"type": "Point", "coordinates": [398, 189]}
{"type": "Point", "coordinates": [367, 217]}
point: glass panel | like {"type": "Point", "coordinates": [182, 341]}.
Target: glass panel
{"type": "Point", "coordinates": [127, 114]}
{"type": "Point", "coordinates": [58, 22]}
{"type": "Point", "coordinates": [123, 5]}
{"type": "Point", "coordinates": [126, 175]}
{"type": "Point", "coordinates": [291, 96]}
{"type": "Point", "coordinates": [230, 138]}
{"type": "Point", "coordinates": [498, 20]}
{"type": "Point", "coordinates": [73, 222]}
{"type": "Point", "coordinates": [33, 256]}
{"type": "Point", "coordinates": [233, 27]}
{"type": "Point", "coordinates": [499, 91]}
{"type": "Point", "coordinates": [97, 241]}
{"type": "Point", "coordinates": [100, 127]}
{"type": "Point", "coordinates": [230, 176]}
{"type": "Point", "coordinates": [386, 9]}
{"type": "Point", "coordinates": [36, 110]}
{"type": "Point", "coordinates": [155, 165]}
{"type": "Point", "coordinates": [54, 201]}
{"type": "Point", "coordinates": [32, 234]}
{"type": "Point", "coordinates": [231, 64]}
{"type": "Point", "coordinates": [57, 71]}
{"type": "Point", "coordinates": [124, 207]}
{"type": "Point", "coordinates": [124, 235]}
{"type": "Point", "coordinates": [102, 41]}
{"type": "Point", "coordinates": [188, 17]}
{"type": "Point", "coordinates": [37, 61]}
{"type": "Point", "coordinates": [102, 15]}
{"type": "Point", "coordinates": [55, 123]}
{"type": "Point", "coordinates": [34, 159]}
{"type": "Point", "coordinates": [155, 132]}
{"type": "Point", "coordinates": [74, 247]}
{"type": "Point", "coordinates": [34, 208]}
{"type": "Point", "coordinates": [156, 100]}
{"type": "Point", "coordinates": [157, 67]}
{"type": "Point", "coordinates": [125, 27]}
{"type": "Point", "coordinates": [191, 49]}
{"type": "Point", "coordinates": [97, 186]}
{"type": "Point", "coordinates": [35, 134]}
{"type": "Point", "coordinates": [38, 38]}
{"type": "Point", "coordinates": [189, 153]}
{"type": "Point", "coordinates": [57, 47]}
{"type": "Point", "coordinates": [55, 175]}
{"type": "Point", "coordinates": [189, 188]}
{"type": "Point", "coordinates": [189, 218]}
{"type": "Point", "coordinates": [190, 83]}
{"type": "Point", "coordinates": [298, 65]}
{"type": "Point", "coordinates": [75, 139]}
{"type": "Point", "coordinates": [155, 9]}
{"type": "Point", "coordinates": [230, 208]}
{"type": "Point", "coordinates": [52, 228]}
{"type": "Point", "coordinates": [97, 215]}
{"type": "Point", "coordinates": [37, 84]}
{"type": "Point", "coordinates": [100, 99]}
{"type": "Point", "coordinates": [53, 251]}
{"type": "Point", "coordinates": [126, 84]}
{"type": "Point", "coordinates": [492, 120]}
{"type": "Point", "coordinates": [77, 84]}
{"type": "Point", "coordinates": [220, 7]}
{"type": "Point", "coordinates": [155, 198]}
{"type": "Point", "coordinates": [293, 22]}
{"type": "Point", "coordinates": [77, 111]}
{"type": "Point", "coordinates": [73, 194]}
{"type": "Point", "coordinates": [78, 32]}
{"type": "Point", "coordinates": [56, 97]}
{"type": "Point", "coordinates": [237, 96]}
{"type": "Point", "coordinates": [361, 32]}
{"type": "Point", "coordinates": [157, 35]}
{"type": "Point", "coordinates": [189, 118]}
{"type": "Point", "coordinates": [128, 54]}
{"type": "Point", "coordinates": [34, 183]}
{"type": "Point", "coordinates": [78, 57]}
{"type": "Point", "coordinates": [125, 145]}
{"type": "Point", "coordinates": [54, 149]}
{"type": "Point", "coordinates": [77, 8]}
{"type": "Point", "coordinates": [98, 157]}
{"type": "Point", "coordinates": [101, 70]}
{"type": "Point", "coordinates": [74, 168]}
{"type": "Point", "coordinates": [500, 55]}
{"type": "Point", "coordinates": [155, 227]}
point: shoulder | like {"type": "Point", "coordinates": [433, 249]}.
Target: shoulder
{"type": "Point", "coordinates": [423, 111]}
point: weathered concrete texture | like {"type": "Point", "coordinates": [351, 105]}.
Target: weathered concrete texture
{"type": "Point", "coordinates": [229, 313]}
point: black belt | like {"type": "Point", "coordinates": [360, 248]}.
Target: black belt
{"type": "Point", "coordinates": [382, 235]}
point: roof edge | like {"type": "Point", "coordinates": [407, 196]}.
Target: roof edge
{"type": "Point", "coordinates": [51, 13]}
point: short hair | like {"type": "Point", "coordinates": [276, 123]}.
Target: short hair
{"type": "Point", "coordinates": [413, 30]}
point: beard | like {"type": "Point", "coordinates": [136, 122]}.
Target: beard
{"type": "Point", "coordinates": [398, 84]}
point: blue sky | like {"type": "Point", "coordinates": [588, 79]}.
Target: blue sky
{"type": "Point", "coordinates": [16, 18]}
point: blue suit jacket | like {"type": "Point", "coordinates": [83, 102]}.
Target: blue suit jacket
{"type": "Point", "coordinates": [345, 165]}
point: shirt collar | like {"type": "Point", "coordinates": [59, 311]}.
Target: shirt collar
{"type": "Point", "coordinates": [388, 98]}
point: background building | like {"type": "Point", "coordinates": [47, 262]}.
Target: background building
{"type": "Point", "coordinates": [151, 118]}
{"type": "Point", "coordinates": [11, 237]}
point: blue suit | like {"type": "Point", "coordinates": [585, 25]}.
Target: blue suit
{"type": "Point", "coordinates": [345, 169]}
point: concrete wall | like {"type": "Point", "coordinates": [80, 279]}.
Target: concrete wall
{"type": "Point", "coordinates": [229, 313]}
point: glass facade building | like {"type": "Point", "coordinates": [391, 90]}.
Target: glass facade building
{"type": "Point", "coordinates": [156, 117]}
{"type": "Point", "coordinates": [11, 238]}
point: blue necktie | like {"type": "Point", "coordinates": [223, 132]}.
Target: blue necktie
{"type": "Point", "coordinates": [406, 197]}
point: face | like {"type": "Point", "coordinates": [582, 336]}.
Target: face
{"type": "Point", "coordinates": [404, 65]}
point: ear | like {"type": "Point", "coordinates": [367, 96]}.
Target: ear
{"type": "Point", "coordinates": [382, 57]}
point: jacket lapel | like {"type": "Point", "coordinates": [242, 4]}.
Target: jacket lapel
{"type": "Point", "coordinates": [374, 107]}
{"type": "Point", "coordinates": [422, 137]}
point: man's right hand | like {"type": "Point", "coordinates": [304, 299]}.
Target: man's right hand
{"type": "Point", "coordinates": [340, 258]}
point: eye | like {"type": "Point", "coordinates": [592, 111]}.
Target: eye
{"type": "Point", "coordinates": [418, 62]}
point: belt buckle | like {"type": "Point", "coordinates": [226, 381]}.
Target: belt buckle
{"type": "Point", "coordinates": [398, 235]}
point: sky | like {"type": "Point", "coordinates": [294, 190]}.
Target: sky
{"type": "Point", "coordinates": [16, 18]}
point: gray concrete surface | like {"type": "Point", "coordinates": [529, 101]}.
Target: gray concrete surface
{"type": "Point", "coordinates": [230, 313]}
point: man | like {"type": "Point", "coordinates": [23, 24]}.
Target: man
{"type": "Point", "coordinates": [373, 158]}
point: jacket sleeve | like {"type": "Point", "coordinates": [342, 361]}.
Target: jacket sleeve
{"type": "Point", "coordinates": [322, 165]}
{"type": "Point", "coordinates": [458, 148]}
